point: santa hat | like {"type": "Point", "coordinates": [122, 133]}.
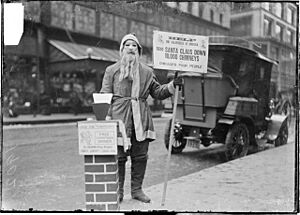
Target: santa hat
{"type": "Point", "coordinates": [130, 37]}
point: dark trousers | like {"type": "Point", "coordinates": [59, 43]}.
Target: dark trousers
{"type": "Point", "coordinates": [139, 155]}
{"type": "Point", "coordinates": [138, 150]}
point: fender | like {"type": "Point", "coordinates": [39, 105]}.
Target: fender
{"type": "Point", "coordinates": [230, 121]}
{"type": "Point", "coordinates": [274, 126]}
{"type": "Point", "coordinates": [226, 121]}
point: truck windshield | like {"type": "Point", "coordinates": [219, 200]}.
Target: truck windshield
{"type": "Point", "coordinates": [222, 61]}
{"type": "Point", "coordinates": [215, 61]}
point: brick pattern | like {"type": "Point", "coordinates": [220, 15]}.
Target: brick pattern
{"type": "Point", "coordinates": [101, 182]}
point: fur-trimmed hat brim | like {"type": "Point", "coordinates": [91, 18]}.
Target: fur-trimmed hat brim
{"type": "Point", "coordinates": [130, 37]}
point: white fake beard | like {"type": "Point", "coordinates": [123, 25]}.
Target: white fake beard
{"type": "Point", "coordinates": [128, 66]}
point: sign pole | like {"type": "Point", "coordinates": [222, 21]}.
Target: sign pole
{"type": "Point", "coordinates": [170, 144]}
{"type": "Point", "coordinates": [178, 52]}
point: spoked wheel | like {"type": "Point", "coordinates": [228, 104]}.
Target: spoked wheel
{"type": "Point", "coordinates": [237, 141]}
{"type": "Point", "coordinates": [287, 111]}
{"type": "Point", "coordinates": [178, 142]}
{"type": "Point", "coordinates": [282, 137]}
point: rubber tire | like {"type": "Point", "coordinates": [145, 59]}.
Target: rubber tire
{"type": "Point", "coordinates": [182, 142]}
{"type": "Point", "coordinates": [231, 136]}
{"type": "Point", "coordinates": [287, 111]}
{"type": "Point", "coordinates": [283, 135]}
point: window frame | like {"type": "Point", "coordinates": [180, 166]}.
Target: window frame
{"type": "Point", "coordinates": [270, 26]}
{"type": "Point", "coordinates": [212, 14]}
{"type": "Point", "coordinates": [280, 38]}
{"type": "Point", "coordinates": [200, 9]}
{"type": "Point", "coordinates": [278, 10]}
{"type": "Point", "coordinates": [221, 19]}
{"type": "Point", "coordinates": [290, 19]}
{"type": "Point", "coordinates": [290, 37]}
{"type": "Point", "coordinates": [266, 6]}
{"type": "Point", "coordinates": [190, 7]}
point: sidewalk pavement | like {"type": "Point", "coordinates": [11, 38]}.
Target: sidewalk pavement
{"type": "Point", "coordinates": [261, 182]}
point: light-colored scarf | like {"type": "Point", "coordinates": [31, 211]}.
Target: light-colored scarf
{"type": "Point", "coordinates": [135, 104]}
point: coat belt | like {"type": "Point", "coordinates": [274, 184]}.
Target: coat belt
{"type": "Point", "coordinates": [129, 98]}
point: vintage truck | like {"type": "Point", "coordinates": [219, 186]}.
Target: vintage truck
{"type": "Point", "coordinates": [229, 104]}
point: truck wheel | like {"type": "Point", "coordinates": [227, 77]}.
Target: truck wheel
{"type": "Point", "coordinates": [287, 111]}
{"type": "Point", "coordinates": [282, 137]}
{"type": "Point", "coordinates": [237, 141]}
{"type": "Point", "coordinates": [178, 142]}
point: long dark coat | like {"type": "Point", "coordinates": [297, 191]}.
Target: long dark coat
{"type": "Point", "coordinates": [129, 99]}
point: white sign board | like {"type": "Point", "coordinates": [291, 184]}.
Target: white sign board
{"type": "Point", "coordinates": [97, 138]}
{"type": "Point", "coordinates": [181, 52]}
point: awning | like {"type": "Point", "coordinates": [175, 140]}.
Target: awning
{"type": "Point", "coordinates": [73, 51]}
{"type": "Point", "coordinates": [80, 52]}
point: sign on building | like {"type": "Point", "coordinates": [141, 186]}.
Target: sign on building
{"type": "Point", "coordinates": [181, 52]}
{"type": "Point", "coordinates": [97, 138]}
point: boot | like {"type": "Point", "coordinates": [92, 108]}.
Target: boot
{"type": "Point", "coordinates": [121, 165]}
{"type": "Point", "coordinates": [138, 169]}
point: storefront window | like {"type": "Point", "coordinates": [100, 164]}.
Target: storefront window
{"type": "Point", "coordinates": [20, 80]}
{"type": "Point", "coordinates": [69, 86]}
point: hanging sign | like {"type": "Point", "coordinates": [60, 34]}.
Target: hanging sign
{"type": "Point", "coordinates": [97, 138]}
{"type": "Point", "coordinates": [180, 52]}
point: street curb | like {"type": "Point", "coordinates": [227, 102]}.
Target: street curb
{"type": "Point", "coordinates": [54, 120]}
{"type": "Point", "coordinates": [43, 121]}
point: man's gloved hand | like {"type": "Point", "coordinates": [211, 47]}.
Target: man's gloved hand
{"type": "Point", "coordinates": [177, 81]}
{"type": "Point", "coordinates": [107, 118]}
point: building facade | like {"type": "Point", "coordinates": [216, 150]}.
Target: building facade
{"type": "Point", "coordinates": [273, 26]}
{"type": "Point", "coordinates": [66, 46]}
{"type": "Point", "coordinates": [216, 13]}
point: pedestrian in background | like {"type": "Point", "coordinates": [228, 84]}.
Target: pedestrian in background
{"type": "Point", "coordinates": [131, 82]}
{"type": "Point", "coordinates": [75, 102]}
